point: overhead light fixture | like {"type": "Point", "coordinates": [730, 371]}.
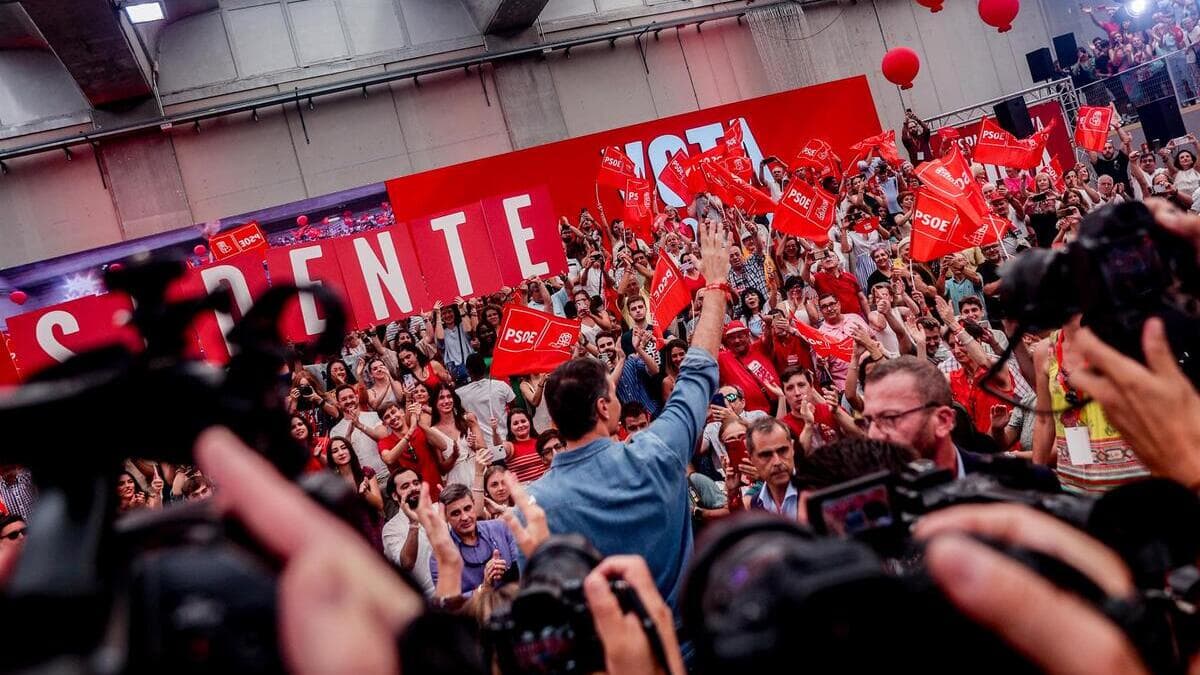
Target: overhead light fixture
{"type": "Point", "coordinates": [145, 12]}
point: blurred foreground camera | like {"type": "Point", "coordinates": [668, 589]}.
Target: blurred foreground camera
{"type": "Point", "coordinates": [548, 627]}
{"type": "Point", "coordinates": [1122, 269]}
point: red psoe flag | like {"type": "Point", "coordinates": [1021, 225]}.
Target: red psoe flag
{"type": "Point", "coordinates": [639, 211]}
{"type": "Point", "coordinates": [950, 179]}
{"type": "Point", "coordinates": [674, 176]}
{"type": "Point", "coordinates": [615, 168]}
{"type": "Point", "coordinates": [823, 345]}
{"type": "Point", "coordinates": [1054, 169]}
{"type": "Point", "coordinates": [668, 295]}
{"type": "Point", "coordinates": [883, 144]}
{"type": "Point", "coordinates": [818, 156]}
{"type": "Point", "coordinates": [997, 146]}
{"type": "Point", "coordinates": [1092, 127]}
{"type": "Point", "coordinates": [733, 190]}
{"type": "Point", "coordinates": [530, 341]}
{"type": "Point", "coordinates": [938, 229]}
{"type": "Point", "coordinates": [805, 211]}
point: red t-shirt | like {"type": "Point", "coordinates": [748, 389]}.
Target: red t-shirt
{"type": "Point", "coordinates": [418, 458]}
{"type": "Point", "coordinates": [790, 351]}
{"type": "Point", "coordinates": [525, 463]}
{"type": "Point", "coordinates": [977, 401]}
{"type": "Point", "coordinates": [750, 372]}
{"type": "Point", "coordinates": [693, 285]}
{"type": "Point", "coordinates": [822, 415]}
{"type": "Point", "coordinates": [844, 286]}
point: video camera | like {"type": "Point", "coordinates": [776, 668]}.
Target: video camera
{"type": "Point", "coordinates": [851, 594]}
{"type": "Point", "coordinates": [180, 590]}
{"type": "Point", "coordinates": [1122, 269]}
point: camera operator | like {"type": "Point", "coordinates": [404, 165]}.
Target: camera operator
{"type": "Point", "coordinates": [646, 476]}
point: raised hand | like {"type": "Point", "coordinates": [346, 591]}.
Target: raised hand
{"type": "Point", "coordinates": [535, 530]}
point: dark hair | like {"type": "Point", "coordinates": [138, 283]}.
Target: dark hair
{"type": "Point", "coordinates": [848, 459]}
{"type": "Point", "coordinates": [793, 282]}
{"type": "Point", "coordinates": [765, 425]}
{"type": "Point", "coordinates": [337, 392]}
{"type": "Point", "coordinates": [476, 367]}
{"type": "Point", "coordinates": [792, 371]}
{"type": "Point", "coordinates": [10, 518]}
{"type": "Point", "coordinates": [422, 360]}
{"type": "Point", "coordinates": [744, 309]}
{"type": "Point", "coordinates": [544, 439]}
{"type": "Point", "coordinates": [487, 475]}
{"type": "Point", "coordinates": [136, 487]}
{"type": "Point", "coordinates": [350, 379]}
{"type": "Point", "coordinates": [390, 485]}
{"type": "Point", "coordinates": [630, 409]}
{"type": "Point", "coordinates": [457, 312]}
{"type": "Point", "coordinates": [489, 306]}
{"type": "Point", "coordinates": [386, 406]}
{"type": "Point", "coordinates": [665, 353]}
{"type": "Point", "coordinates": [1180, 153]}
{"type": "Point", "coordinates": [355, 467]}
{"type": "Point", "coordinates": [311, 438]}
{"type": "Point", "coordinates": [193, 485]}
{"type": "Point", "coordinates": [512, 437]}
{"type": "Point", "coordinates": [970, 300]}
{"type": "Point", "coordinates": [453, 492]}
{"type": "Point", "coordinates": [928, 381]}
{"type": "Point", "coordinates": [571, 394]}
{"type": "Point", "coordinates": [435, 417]}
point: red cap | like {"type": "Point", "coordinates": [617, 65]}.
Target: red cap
{"type": "Point", "coordinates": [733, 327]}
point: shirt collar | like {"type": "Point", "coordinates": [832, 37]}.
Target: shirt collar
{"type": "Point", "coordinates": [768, 502]}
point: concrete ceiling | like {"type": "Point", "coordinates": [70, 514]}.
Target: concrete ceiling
{"type": "Point", "coordinates": [87, 36]}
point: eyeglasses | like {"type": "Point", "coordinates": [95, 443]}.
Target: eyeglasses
{"type": "Point", "coordinates": [887, 421]}
{"type": "Point", "coordinates": [832, 305]}
{"type": "Point", "coordinates": [732, 397]}
{"type": "Point", "coordinates": [551, 448]}
{"type": "Point", "coordinates": [13, 536]}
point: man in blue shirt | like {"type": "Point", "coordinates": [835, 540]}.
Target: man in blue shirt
{"type": "Point", "coordinates": [487, 547]}
{"type": "Point", "coordinates": [769, 447]}
{"type": "Point", "coordinates": [632, 497]}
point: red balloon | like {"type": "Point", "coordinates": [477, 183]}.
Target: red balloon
{"type": "Point", "coordinates": [346, 215]}
{"type": "Point", "coordinates": [302, 220]}
{"type": "Point", "coordinates": [199, 249]}
{"type": "Point", "coordinates": [934, 6]}
{"type": "Point", "coordinates": [900, 66]}
{"type": "Point", "coordinates": [19, 297]}
{"type": "Point", "coordinates": [999, 13]}
{"type": "Point", "coordinates": [116, 267]}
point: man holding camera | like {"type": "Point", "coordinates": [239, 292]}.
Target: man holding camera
{"type": "Point", "coordinates": [645, 476]}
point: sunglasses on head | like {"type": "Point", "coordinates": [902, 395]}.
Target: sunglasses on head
{"type": "Point", "coordinates": [13, 536]}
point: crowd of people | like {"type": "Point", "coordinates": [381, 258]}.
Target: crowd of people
{"type": "Point", "coordinates": [652, 432]}
{"type": "Point", "coordinates": [1135, 47]}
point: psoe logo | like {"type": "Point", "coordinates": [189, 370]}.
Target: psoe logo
{"type": "Point", "coordinates": [520, 337]}
{"type": "Point", "coordinates": [563, 340]}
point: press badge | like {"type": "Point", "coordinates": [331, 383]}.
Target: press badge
{"type": "Point", "coordinates": [1079, 446]}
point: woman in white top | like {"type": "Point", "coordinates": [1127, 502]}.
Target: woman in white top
{"type": "Point", "coordinates": [1184, 175]}
{"type": "Point", "coordinates": [789, 257]}
{"type": "Point", "coordinates": [532, 387]}
{"type": "Point", "coordinates": [800, 302]}
{"type": "Point", "coordinates": [455, 434]}
{"type": "Point", "coordinates": [887, 322]}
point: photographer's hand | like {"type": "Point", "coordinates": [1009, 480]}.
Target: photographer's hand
{"type": "Point", "coordinates": [1053, 628]}
{"type": "Point", "coordinates": [626, 648]}
{"type": "Point", "coordinates": [338, 600]}
{"type": "Point", "coordinates": [1154, 406]}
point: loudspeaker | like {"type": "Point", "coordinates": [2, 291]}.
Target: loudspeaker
{"type": "Point", "coordinates": [1066, 50]}
{"type": "Point", "coordinates": [1161, 121]}
{"type": "Point", "coordinates": [1041, 64]}
{"type": "Point", "coordinates": [1013, 117]}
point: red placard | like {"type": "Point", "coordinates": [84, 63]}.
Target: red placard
{"type": "Point", "coordinates": [456, 255]}
{"type": "Point", "coordinates": [303, 265]}
{"type": "Point", "coordinates": [524, 235]}
{"type": "Point", "coordinates": [1093, 124]}
{"type": "Point", "coordinates": [381, 276]}
{"type": "Point", "coordinates": [668, 295]}
{"type": "Point", "coordinates": [53, 334]}
{"type": "Point", "coordinates": [242, 274]}
{"type": "Point", "coordinates": [248, 237]}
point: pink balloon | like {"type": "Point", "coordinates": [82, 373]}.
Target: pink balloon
{"type": "Point", "coordinates": [302, 220]}
{"type": "Point", "coordinates": [18, 297]}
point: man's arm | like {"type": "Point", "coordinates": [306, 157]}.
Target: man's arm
{"type": "Point", "coordinates": [682, 417]}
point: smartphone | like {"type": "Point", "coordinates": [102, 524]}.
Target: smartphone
{"type": "Point", "coordinates": [409, 380]}
{"type": "Point", "coordinates": [498, 454]}
{"type": "Point", "coordinates": [718, 400]}
{"type": "Point", "coordinates": [737, 453]}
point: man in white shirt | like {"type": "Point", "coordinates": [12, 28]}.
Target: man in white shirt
{"type": "Point", "coordinates": [405, 542]}
{"type": "Point", "coordinates": [487, 398]}
{"type": "Point", "coordinates": [363, 430]}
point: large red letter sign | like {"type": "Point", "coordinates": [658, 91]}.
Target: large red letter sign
{"type": "Point", "coordinates": [243, 276]}
{"type": "Point", "coordinates": [525, 235]}
{"type": "Point", "coordinates": [381, 275]}
{"type": "Point", "coordinates": [54, 334]}
{"type": "Point", "coordinates": [305, 265]}
{"type": "Point", "coordinates": [456, 254]}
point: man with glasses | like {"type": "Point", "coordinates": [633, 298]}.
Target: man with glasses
{"type": "Point", "coordinates": [838, 327]}
{"type": "Point", "coordinates": [907, 401]}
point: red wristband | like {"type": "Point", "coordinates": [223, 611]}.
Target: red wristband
{"type": "Point", "coordinates": [720, 286]}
